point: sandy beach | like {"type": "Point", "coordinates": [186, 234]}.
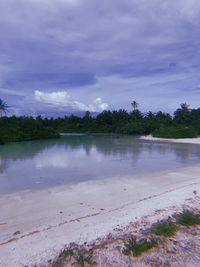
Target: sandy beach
{"type": "Point", "coordinates": [181, 140]}
{"type": "Point", "coordinates": [35, 226]}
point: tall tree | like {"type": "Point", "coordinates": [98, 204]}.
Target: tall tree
{"type": "Point", "coordinates": [183, 114]}
{"type": "Point", "coordinates": [3, 107]}
{"type": "Point", "coordinates": [134, 105]}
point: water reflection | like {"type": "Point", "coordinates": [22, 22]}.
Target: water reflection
{"type": "Point", "coordinates": [71, 159]}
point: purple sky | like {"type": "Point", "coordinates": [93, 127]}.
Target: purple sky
{"type": "Point", "coordinates": [75, 55]}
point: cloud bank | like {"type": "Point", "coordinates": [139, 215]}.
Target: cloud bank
{"type": "Point", "coordinates": [62, 99]}
{"type": "Point", "coordinates": [113, 50]}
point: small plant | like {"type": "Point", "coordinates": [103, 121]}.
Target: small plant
{"type": "Point", "coordinates": [66, 253]}
{"type": "Point", "coordinates": [62, 256]}
{"type": "Point", "coordinates": [136, 248]}
{"type": "Point", "coordinates": [188, 218]}
{"type": "Point", "coordinates": [166, 228]}
{"type": "Point", "coordinates": [82, 259]}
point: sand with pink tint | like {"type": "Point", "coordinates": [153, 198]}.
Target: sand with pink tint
{"type": "Point", "coordinates": [179, 140]}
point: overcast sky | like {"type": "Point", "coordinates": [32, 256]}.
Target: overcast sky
{"type": "Point", "coordinates": [76, 55]}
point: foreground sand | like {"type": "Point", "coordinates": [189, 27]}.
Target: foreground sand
{"type": "Point", "coordinates": [181, 249]}
{"type": "Point", "coordinates": [35, 226]}
{"type": "Point", "coordinates": [45, 221]}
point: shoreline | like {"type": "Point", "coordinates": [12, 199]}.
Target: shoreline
{"type": "Point", "coordinates": [48, 220]}
{"type": "Point", "coordinates": [172, 140]}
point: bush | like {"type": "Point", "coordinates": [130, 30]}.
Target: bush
{"type": "Point", "coordinates": [175, 132]}
{"type": "Point", "coordinates": [188, 218]}
{"type": "Point", "coordinates": [66, 253]}
{"type": "Point", "coordinates": [166, 228]}
{"type": "Point", "coordinates": [136, 248]}
{"type": "Point", "coordinates": [82, 259]}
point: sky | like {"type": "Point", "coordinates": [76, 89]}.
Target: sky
{"type": "Point", "coordinates": [69, 56]}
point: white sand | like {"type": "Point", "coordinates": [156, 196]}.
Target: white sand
{"type": "Point", "coordinates": [180, 140]}
{"type": "Point", "coordinates": [49, 219]}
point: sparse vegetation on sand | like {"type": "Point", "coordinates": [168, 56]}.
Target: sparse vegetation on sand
{"type": "Point", "coordinates": [165, 228]}
{"type": "Point", "coordinates": [134, 247]}
{"type": "Point", "coordinates": [80, 257]}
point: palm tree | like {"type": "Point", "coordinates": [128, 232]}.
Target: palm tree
{"type": "Point", "coordinates": [3, 107]}
{"type": "Point", "coordinates": [134, 105]}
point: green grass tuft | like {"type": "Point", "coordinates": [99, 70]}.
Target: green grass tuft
{"type": "Point", "coordinates": [166, 228]}
{"type": "Point", "coordinates": [66, 253]}
{"type": "Point", "coordinates": [136, 248]}
{"type": "Point", "coordinates": [82, 259]}
{"type": "Point", "coordinates": [188, 218]}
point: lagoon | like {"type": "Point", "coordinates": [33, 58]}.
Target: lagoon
{"type": "Point", "coordinates": [79, 188]}
{"type": "Point", "coordinates": [72, 159]}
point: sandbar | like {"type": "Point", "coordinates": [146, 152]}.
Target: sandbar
{"type": "Point", "coordinates": [173, 140]}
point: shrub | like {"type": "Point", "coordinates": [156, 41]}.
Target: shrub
{"type": "Point", "coordinates": [82, 259]}
{"type": "Point", "coordinates": [166, 228]}
{"type": "Point", "coordinates": [178, 131]}
{"type": "Point", "coordinates": [136, 248]}
{"type": "Point", "coordinates": [188, 218]}
{"type": "Point", "coordinates": [66, 253]}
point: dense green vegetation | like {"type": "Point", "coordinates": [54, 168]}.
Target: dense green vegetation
{"type": "Point", "coordinates": [184, 124]}
{"type": "Point", "coordinates": [24, 129]}
{"type": "Point", "coordinates": [176, 131]}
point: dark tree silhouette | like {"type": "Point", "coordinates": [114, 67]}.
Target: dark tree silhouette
{"type": "Point", "coordinates": [183, 114]}
{"type": "Point", "coordinates": [134, 105]}
{"type": "Point", "coordinates": [3, 107]}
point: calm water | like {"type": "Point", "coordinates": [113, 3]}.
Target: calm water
{"type": "Point", "coordinates": [72, 159]}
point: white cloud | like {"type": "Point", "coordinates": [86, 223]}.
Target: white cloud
{"type": "Point", "coordinates": [54, 98]}
{"type": "Point", "coordinates": [62, 99]}
{"type": "Point", "coordinates": [98, 105]}
{"type": "Point", "coordinates": [95, 106]}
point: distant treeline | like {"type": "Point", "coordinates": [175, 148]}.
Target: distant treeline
{"type": "Point", "coordinates": [185, 123]}
{"type": "Point", "coordinates": [14, 129]}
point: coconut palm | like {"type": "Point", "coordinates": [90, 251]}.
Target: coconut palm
{"type": "Point", "coordinates": [134, 105]}
{"type": "Point", "coordinates": [3, 107]}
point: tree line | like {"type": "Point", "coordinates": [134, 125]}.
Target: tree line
{"type": "Point", "coordinates": [184, 123]}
